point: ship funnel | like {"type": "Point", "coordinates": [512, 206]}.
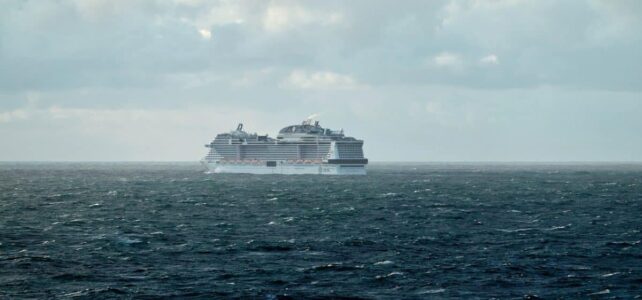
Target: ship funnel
{"type": "Point", "coordinates": [240, 127]}
{"type": "Point", "coordinates": [309, 119]}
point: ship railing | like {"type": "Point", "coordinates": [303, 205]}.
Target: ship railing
{"type": "Point", "coordinates": [304, 161]}
{"type": "Point", "coordinates": [262, 162]}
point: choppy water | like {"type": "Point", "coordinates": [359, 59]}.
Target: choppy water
{"type": "Point", "coordinates": [404, 231]}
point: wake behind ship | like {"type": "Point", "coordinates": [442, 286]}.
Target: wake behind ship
{"type": "Point", "coordinates": [298, 149]}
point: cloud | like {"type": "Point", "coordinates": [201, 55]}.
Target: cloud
{"type": "Point", "coordinates": [615, 21]}
{"type": "Point", "coordinates": [281, 17]}
{"type": "Point", "coordinates": [433, 107]}
{"type": "Point", "coordinates": [299, 79]}
{"type": "Point", "coordinates": [168, 66]}
{"type": "Point", "coordinates": [13, 115]}
{"type": "Point", "coordinates": [216, 13]}
{"type": "Point", "coordinates": [491, 59]}
{"type": "Point", "coordinates": [448, 60]}
{"type": "Point", "coordinates": [101, 9]}
{"type": "Point", "coordinates": [147, 134]}
{"type": "Point", "coordinates": [205, 33]}
{"type": "Point", "coordinates": [120, 44]}
{"type": "Point", "coordinates": [253, 77]}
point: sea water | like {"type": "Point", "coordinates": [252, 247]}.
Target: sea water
{"type": "Point", "coordinates": [404, 231]}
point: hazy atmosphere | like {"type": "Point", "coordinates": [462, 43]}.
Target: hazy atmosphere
{"type": "Point", "coordinates": [417, 80]}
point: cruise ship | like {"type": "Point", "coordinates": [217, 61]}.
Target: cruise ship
{"type": "Point", "coordinates": [306, 148]}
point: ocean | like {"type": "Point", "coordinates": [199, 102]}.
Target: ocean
{"type": "Point", "coordinates": [404, 231]}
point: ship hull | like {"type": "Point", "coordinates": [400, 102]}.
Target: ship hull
{"type": "Point", "coordinates": [285, 168]}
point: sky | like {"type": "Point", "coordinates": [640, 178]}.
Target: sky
{"type": "Point", "coordinates": [513, 80]}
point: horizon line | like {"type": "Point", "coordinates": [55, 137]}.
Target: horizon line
{"type": "Point", "coordinates": [370, 162]}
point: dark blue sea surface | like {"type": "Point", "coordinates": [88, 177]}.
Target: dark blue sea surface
{"type": "Point", "coordinates": [404, 231]}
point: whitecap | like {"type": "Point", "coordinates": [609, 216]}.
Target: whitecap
{"type": "Point", "coordinates": [129, 241]}
{"type": "Point", "coordinates": [385, 262]}
{"type": "Point", "coordinates": [76, 294]}
{"type": "Point", "coordinates": [272, 223]}
{"type": "Point", "coordinates": [435, 291]}
{"type": "Point", "coordinates": [610, 274]}
{"type": "Point", "coordinates": [515, 230]}
{"type": "Point", "coordinates": [558, 227]}
{"type": "Point", "coordinates": [273, 199]}
{"type": "Point", "coordinates": [98, 236]}
{"type": "Point", "coordinates": [604, 292]}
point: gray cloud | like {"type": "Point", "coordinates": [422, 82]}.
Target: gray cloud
{"type": "Point", "coordinates": [452, 80]}
{"type": "Point", "coordinates": [66, 44]}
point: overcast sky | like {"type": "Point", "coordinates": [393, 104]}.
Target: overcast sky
{"type": "Point", "coordinates": [417, 80]}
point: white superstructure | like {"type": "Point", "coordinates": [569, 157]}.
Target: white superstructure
{"type": "Point", "coordinates": [298, 149]}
